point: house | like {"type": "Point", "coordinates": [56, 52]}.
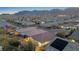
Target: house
{"type": "Point", "coordinates": [36, 33]}
{"type": "Point", "coordinates": [76, 35]}
{"type": "Point", "coordinates": [48, 24]}
{"type": "Point", "coordinates": [28, 23]}
{"type": "Point", "coordinates": [4, 23]}
{"type": "Point", "coordinates": [77, 26]}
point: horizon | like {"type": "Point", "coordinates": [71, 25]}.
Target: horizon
{"type": "Point", "coordinates": [13, 10]}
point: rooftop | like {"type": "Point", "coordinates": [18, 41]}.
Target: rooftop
{"type": "Point", "coordinates": [38, 34]}
{"type": "Point", "coordinates": [31, 31]}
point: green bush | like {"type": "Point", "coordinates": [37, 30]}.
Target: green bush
{"type": "Point", "coordinates": [29, 46]}
{"type": "Point", "coordinates": [1, 30]}
{"type": "Point", "coordinates": [14, 43]}
{"type": "Point", "coordinates": [61, 34]}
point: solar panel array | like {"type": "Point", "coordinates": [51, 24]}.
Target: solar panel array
{"type": "Point", "coordinates": [59, 44]}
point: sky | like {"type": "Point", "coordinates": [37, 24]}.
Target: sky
{"type": "Point", "coordinates": [12, 10]}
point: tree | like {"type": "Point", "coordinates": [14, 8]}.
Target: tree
{"type": "Point", "coordinates": [64, 34]}
{"type": "Point", "coordinates": [70, 33]}
{"type": "Point", "coordinates": [1, 30]}
{"type": "Point", "coordinates": [12, 45]}
{"type": "Point", "coordinates": [5, 44]}
{"type": "Point", "coordinates": [14, 42]}
{"type": "Point", "coordinates": [29, 44]}
{"type": "Point", "coordinates": [61, 34]}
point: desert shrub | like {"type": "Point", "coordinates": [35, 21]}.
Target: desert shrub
{"type": "Point", "coordinates": [61, 34]}
{"type": "Point", "coordinates": [30, 45]}
{"type": "Point", "coordinates": [14, 43]}
{"type": "Point", "coordinates": [1, 30]}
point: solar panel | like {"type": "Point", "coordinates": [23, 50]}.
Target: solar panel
{"type": "Point", "coordinates": [59, 44]}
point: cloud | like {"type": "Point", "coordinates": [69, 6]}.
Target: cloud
{"type": "Point", "coordinates": [7, 12]}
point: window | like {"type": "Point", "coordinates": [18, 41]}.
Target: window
{"type": "Point", "coordinates": [59, 44]}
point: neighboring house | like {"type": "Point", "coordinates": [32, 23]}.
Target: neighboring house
{"type": "Point", "coordinates": [48, 24]}
{"type": "Point", "coordinates": [77, 26]}
{"type": "Point", "coordinates": [76, 35]}
{"type": "Point", "coordinates": [28, 23]}
{"type": "Point", "coordinates": [4, 23]}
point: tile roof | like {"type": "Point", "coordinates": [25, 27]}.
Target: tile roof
{"type": "Point", "coordinates": [37, 34]}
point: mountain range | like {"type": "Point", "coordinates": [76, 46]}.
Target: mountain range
{"type": "Point", "coordinates": [71, 10]}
